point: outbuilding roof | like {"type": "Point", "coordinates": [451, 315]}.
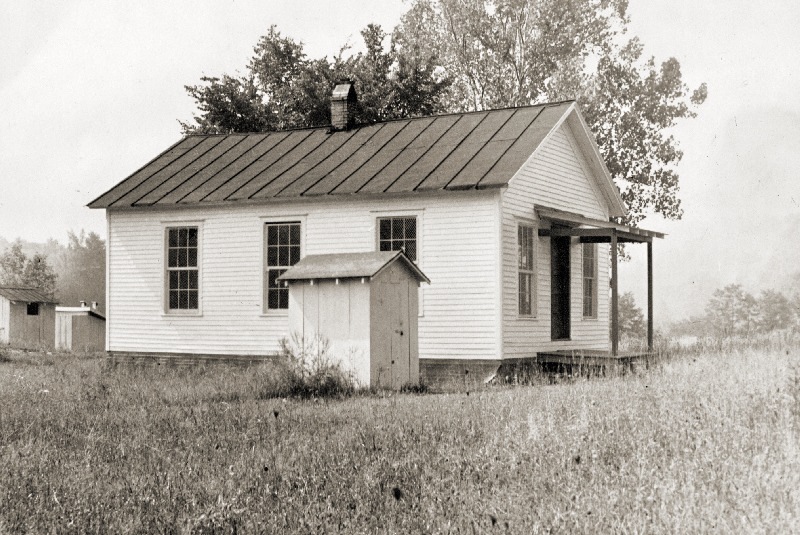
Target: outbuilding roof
{"type": "Point", "coordinates": [462, 151]}
{"type": "Point", "coordinates": [348, 265]}
{"type": "Point", "coordinates": [25, 295]}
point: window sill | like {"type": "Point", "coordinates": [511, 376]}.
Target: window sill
{"type": "Point", "coordinates": [275, 313]}
{"type": "Point", "coordinates": [182, 314]}
{"type": "Point", "coordinates": [522, 317]}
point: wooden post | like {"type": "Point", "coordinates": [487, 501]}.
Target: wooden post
{"type": "Point", "coordinates": [650, 295]}
{"type": "Point", "coordinates": [614, 296]}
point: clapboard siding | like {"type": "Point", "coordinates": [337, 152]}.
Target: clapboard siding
{"type": "Point", "coordinates": [457, 251]}
{"type": "Point", "coordinates": [556, 176]}
{"type": "Point", "coordinates": [5, 320]}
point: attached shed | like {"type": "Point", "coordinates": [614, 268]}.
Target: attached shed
{"type": "Point", "coordinates": [80, 328]}
{"type": "Point", "coordinates": [27, 318]}
{"type": "Point", "coordinates": [365, 306]}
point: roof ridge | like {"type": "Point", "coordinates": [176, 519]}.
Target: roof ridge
{"type": "Point", "coordinates": [361, 125]}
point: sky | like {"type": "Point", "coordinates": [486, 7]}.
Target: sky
{"type": "Point", "coordinates": [90, 91]}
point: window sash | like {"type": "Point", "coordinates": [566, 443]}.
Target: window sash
{"type": "Point", "coordinates": [526, 280]}
{"type": "Point", "coordinates": [282, 251]}
{"type": "Point", "coordinates": [589, 280]}
{"type": "Point", "coordinates": [183, 272]}
{"type": "Point", "coordinates": [398, 234]}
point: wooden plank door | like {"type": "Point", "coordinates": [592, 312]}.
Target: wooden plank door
{"type": "Point", "coordinates": [559, 288]}
{"type": "Point", "coordinates": [401, 353]}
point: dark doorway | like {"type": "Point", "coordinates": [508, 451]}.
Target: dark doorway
{"type": "Point", "coordinates": [559, 288]}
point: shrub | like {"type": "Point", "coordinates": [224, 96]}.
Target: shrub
{"type": "Point", "coordinates": [305, 369]}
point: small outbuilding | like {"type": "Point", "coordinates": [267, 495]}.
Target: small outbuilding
{"type": "Point", "coordinates": [365, 306]}
{"type": "Point", "coordinates": [27, 318]}
{"type": "Point", "coordinates": [80, 328]}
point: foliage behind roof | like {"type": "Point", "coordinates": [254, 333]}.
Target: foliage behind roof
{"type": "Point", "coordinates": [461, 151]}
{"type": "Point", "coordinates": [26, 295]}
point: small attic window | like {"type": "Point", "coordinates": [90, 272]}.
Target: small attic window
{"type": "Point", "coordinates": [33, 309]}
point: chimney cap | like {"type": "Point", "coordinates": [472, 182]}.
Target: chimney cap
{"type": "Point", "coordinates": [344, 90]}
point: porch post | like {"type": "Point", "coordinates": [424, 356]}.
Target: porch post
{"type": "Point", "coordinates": [650, 295]}
{"type": "Point", "coordinates": [614, 296]}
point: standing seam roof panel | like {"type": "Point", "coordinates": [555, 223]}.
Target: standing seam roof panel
{"type": "Point", "coordinates": [437, 153]}
{"type": "Point", "coordinates": [365, 155]}
{"type": "Point", "coordinates": [329, 145]}
{"type": "Point", "coordinates": [471, 175]}
{"type": "Point", "coordinates": [385, 156]}
{"type": "Point", "coordinates": [205, 175]}
{"type": "Point", "coordinates": [146, 171]}
{"type": "Point", "coordinates": [356, 140]}
{"type": "Point", "coordinates": [265, 144]}
{"type": "Point", "coordinates": [413, 152]}
{"type": "Point", "coordinates": [280, 166]}
{"type": "Point", "coordinates": [466, 151]}
{"type": "Point", "coordinates": [254, 168]}
{"type": "Point", "coordinates": [190, 171]}
{"type": "Point", "coordinates": [170, 170]}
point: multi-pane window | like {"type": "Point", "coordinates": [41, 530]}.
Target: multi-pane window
{"type": "Point", "coordinates": [525, 269]}
{"type": "Point", "coordinates": [398, 234]}
{"type": "Point", "coordinates": [183, 280]}
{"type": "Point", "coordinates": [283, 251]}
{"type": "Point", "coordinates": [589, 280]}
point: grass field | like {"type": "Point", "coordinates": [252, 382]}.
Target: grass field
{"type": "Point", "coordinates": [701, 443]}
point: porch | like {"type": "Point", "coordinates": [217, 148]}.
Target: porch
{"type": "Point", "coordinates": [588, 230]}
{"type": "Point", "coordinates": [591, 361]}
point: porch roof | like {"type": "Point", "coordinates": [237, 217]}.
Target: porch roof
{"type": "Point", "coordinates": [601, 232]}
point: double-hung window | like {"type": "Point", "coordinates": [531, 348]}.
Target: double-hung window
{"type": "Point", "coordinates": [183, 273]}
{"type": "Point", "coordinates": [589, 280]}
{"type": "Point", "coordinates": [525, 269]}
{"type": "Point", "coordinates": [282, 250]}
{"type": "Point", "coordinates": [398, 234]}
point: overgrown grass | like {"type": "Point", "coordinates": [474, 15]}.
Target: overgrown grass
{"type": "Point", "coordinates": [705, 442]}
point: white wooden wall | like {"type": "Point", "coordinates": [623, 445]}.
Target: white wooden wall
{"type": "Point", "coordinates": [5, 319]}
{"type": "Point", "coordinates": [557, 177]}
{"type": "Point", "coordinates": [458, 240]}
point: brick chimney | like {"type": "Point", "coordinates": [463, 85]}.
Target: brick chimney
{"type": "Point", "coordinates": [343, 104]}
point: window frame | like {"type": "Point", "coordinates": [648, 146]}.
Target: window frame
{"type": "Point", "coordinates": [264, 222]}
{"type": "Point", "coordinates": [393, 216]}
{"type": "Point", "coordinates": [531, 271]}
{"type": "Point", "coordinates": [166, 226]}
{"type": "Point", "coordinates": [419, 215]}
{"type": "Point", "coordinates": [594, 278]}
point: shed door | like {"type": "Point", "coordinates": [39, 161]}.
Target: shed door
{"type": "Point", "coordinates": [401, 353]}
{"type": "Point", "coordinates": [559, 288]}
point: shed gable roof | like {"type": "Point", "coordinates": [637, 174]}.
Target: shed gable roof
{"type": "Point", "coordinates": [26, 295]}
{"type": "Point", "coordinates": [475, 150]}
{"type": "Point", "coordinates": [348, 265]}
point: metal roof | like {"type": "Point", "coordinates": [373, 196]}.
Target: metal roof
{"type": "Point", "coordinates": [348, 265]}
{"type": "Point", "coordinates": [26, 295]}
{"type": "Point", "coordinates": [473, 150]}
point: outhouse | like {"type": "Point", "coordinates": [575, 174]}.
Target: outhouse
{"type": "Point", "coordinates": [27, 318]}
{"type": "Point", "coordinates": [364, 305]}
{"type": "Point", "coordinates": [80, 328]}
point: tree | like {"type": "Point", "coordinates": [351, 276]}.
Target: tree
{"type": "Point", "coordinates": [732, 311]}
{"type": "Point", "coordinates": [283, 88]}
{"type": "Point", "coordinates": [519, 52]}
{"type": "Point", "coordinates": [774, 311]}
{"type": "Point", "coordinates": [16, 269]}
{"type": "Point", "coordinates": [12, 265]}
{"type": "Point", "coordinates": [83, 270]}
{"type": "Point", "coordinates": [631, 317]}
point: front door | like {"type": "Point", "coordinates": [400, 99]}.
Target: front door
{"type": "Point", "coordinates": [559, 288]}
